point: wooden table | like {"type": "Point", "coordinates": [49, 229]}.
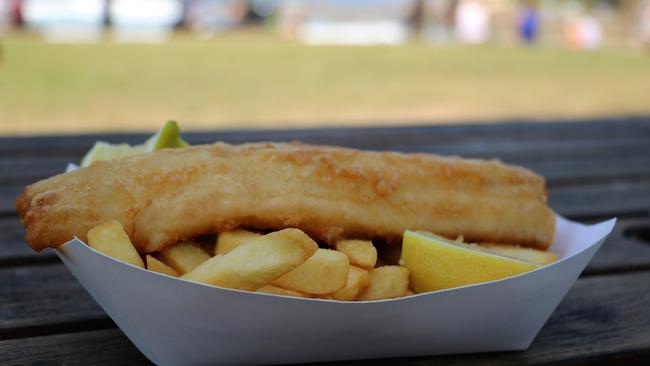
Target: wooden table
{"type": "Point", "coordinates": [595, 171]}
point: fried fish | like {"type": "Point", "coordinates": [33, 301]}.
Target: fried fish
{"type": "Point", "coordinates": [330, 193]}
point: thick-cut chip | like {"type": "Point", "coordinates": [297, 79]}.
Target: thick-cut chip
{"type": "Point", "coordinates": [229, 240]}
{"type": "Point", "coordinates": [358, 279]}
{"type": "Point", "coordinates": [155, 265]}
{"type": "Point", "coordinates": [184, 257]}
{"type": "Point", "coordinates": [280, 291]}
{"type": "Point", "coordinates": [360, 252]}
{"type": "Point", "coordinates": [111, 239]}
{"type": "Point", "coordinates": [323, 273]}
{"type": "Point", "coordinates": [525, 254]}
{"type": "Point", "coordinates": [256, 263]}
{"type": "Point", "coordinates": [387, 282]}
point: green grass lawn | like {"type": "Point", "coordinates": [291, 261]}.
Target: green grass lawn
{"type": "Point", "coordinates": [248, 81]}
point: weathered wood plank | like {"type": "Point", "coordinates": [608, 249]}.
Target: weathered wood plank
{"type": "Point", "coordinates": [8, 194]}
{"type": "Point", "coordinates": [12, 168]}
{"type": "Point", "coordinates": [42, 296]}
{"type": "Point", "coordinates": [472, 140]}
{"type": "Point", "coordinates": [603, 170]}
{"type": "Point", "coordinates": [100, 347]}
{"type": "Point", "coordinates": [595, 170]}
{"type": "Point", "coordinates": [621, 251]}
{"type": "Point", "coordinates": [536, 150]}
{"type": "Point", "coordinates": [13, 247]}
{"type": "Point", "coordinates": [602, 199]}
{"type": "Point", "coordinates": [383, 137]}
{"type": "Point", "coordinates": [602, 318]}
{"type": "Point", "coordinates": [16, 171]}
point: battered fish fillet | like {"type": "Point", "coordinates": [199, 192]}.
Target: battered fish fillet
{"type": "Point", "coordinates": [329, 192]}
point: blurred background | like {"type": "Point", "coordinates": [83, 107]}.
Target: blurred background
{"type": "Point", "coordinates": [128, 65]}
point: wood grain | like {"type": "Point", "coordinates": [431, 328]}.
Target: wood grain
{"type": "Point", "coordinates": [518, 143]}
{"type": "Point", "coordinates": [602, 318]}
{"type": "Point", "coordinates": [621, 252]}
{"type": "Point", "coordinates": [364, 137]}
{"type": "Point", "coordinates": [595, 170]}
{"type": "Point", "coordinates": [42, 296]}
{"type": "Point", "coordinates": [100, 347]}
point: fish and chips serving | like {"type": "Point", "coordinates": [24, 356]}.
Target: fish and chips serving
{"type": "Point", "coordinates": [201, 254]}
{"type": "Point", "coordinates": [296, 219]}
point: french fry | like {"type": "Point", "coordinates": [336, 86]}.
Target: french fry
{"type": "Point", "coordinates": [324, 272]}
{"type": "Point", "coordinates": [280, 291]}
{"type": "Point", "coordinates": [256, 263]}
{"type": "Point", "coordinates": [111, 239]}
{"type": "Point", "coordinates": [362, 253]}
{"type": "Point", "coordinates": [155, 265]}
{"type": "Point", "coordinates": [229, 240]}
{"type": "Point", "coordinates": [183, 257]}
{"type": "Point", "coordinates": [387, 282]}
{"type": "Point", "coordinates": [358, 279]}
{"type": "Point", "coordinates": [525, 254]}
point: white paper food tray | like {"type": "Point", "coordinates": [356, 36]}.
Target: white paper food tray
{"type": "Point", "coordinates": [177, 322]}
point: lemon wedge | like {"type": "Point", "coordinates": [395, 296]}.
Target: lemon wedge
{"type": "Point", "coordinates": [525, 254]}
{"type": "Point", "coordinates": [167, 137]}
{"type": "Point", "coordinates": [437, 263]}
{"type": "Point", "coordinates": [105, 151]}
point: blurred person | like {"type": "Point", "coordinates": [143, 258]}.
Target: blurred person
{"type": "Point", "coordinates": [291, 14]}
{"type": "Point", "coordinates": [5, 15]}
{"type": "Point", "coordinates": [264, 8]}
{"type": "Point", "coordinates": [584, 33]}
{"type": "Point", "coordinates": [209, 17]}
{"type": "Point", "coordinates": [472, 22]}
{"type": "Point", "coordinates": [144, 20]}
{"type": "Point", "coordinates": [357, 23]}
{"type": "Point", "coordinates": [528, 23]}
{"type": "Point", "coordinates": [17, 12]}
{"type": "Point", "coordinates": [502, 13]}
{"type": "Point", "coordinates": [65, 20]}
{"type": "Point", "coordinates": [643, 23]}
{"type": "Point", "coordinates": [437, 20]}
{"type": "Point", "coordinates": [10, 14]}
